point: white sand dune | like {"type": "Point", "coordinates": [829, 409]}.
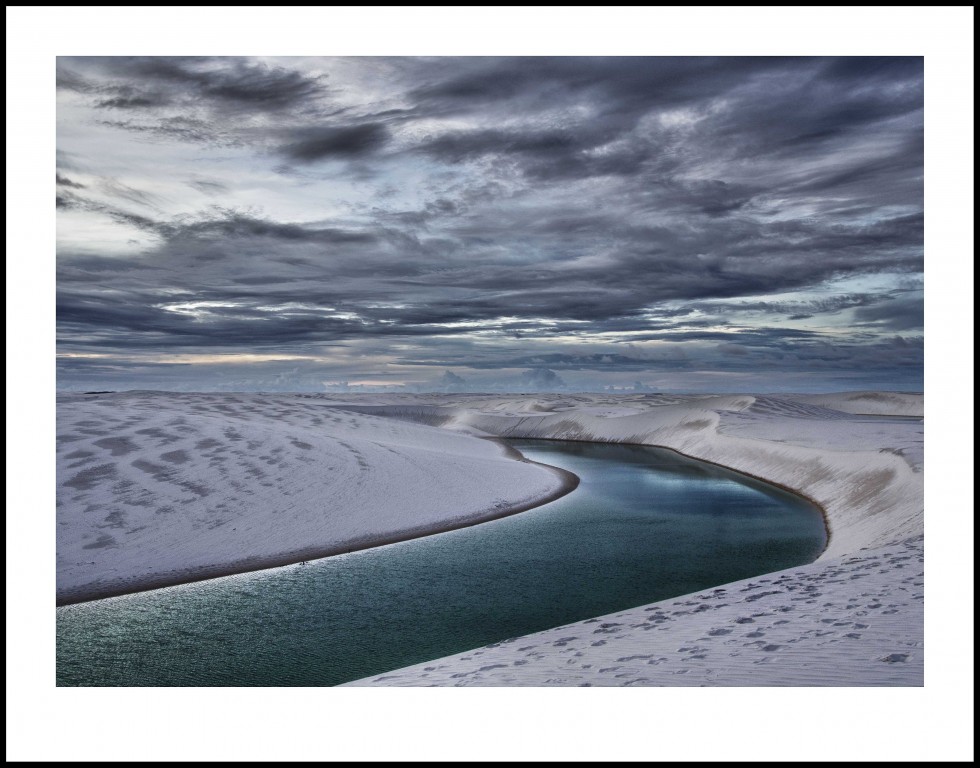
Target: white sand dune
{"type": "Point", "coordinates": [865, 472]}
{"type": "Point", "coordinates": [875, 403]}
{"type": "Point", "coordinates": [853, 621]}
{"type": "Point", "coordinates": [159, 488]}
{"type": "Point", "coordinates": [853, 618]}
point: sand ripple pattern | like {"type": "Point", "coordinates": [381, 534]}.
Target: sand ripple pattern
{"type": "Point", "coordinates": [161, 488]}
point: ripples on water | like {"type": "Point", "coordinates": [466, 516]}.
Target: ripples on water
{"type": "Point", "coordinates": [644, 525]}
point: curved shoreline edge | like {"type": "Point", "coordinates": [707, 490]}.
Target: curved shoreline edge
{"type": "Point", "coordinates": [869, 496]}
{"type": "Point", "coordinates": [568, 482]}
{"type": "Point", "coordinates": [825, 516]}
{"type": "Point", "coordinates": [852, 617]}
{"type": "Point", "coordinates": [758, 478]}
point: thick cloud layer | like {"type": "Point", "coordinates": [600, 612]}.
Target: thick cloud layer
{"type": "Point", "coordinates": [541, 223]}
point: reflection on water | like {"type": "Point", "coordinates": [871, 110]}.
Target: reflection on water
{"type": "Point", "coordinates": [645, 524]}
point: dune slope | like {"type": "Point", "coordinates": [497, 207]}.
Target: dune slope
{"type": "Point", "coordinates": [852, 618]}
{"type": "Point", "coordinates": [157, 489]}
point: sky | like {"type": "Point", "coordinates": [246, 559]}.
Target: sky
{"type": "Point", "coordinates": [490, 224]}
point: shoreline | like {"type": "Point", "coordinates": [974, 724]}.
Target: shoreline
{"type": "Point", "coordinates": [568, 482]}
{"type": "Point", "coordinates": [853, 616]}
{"type": "Point", "coordinates": [758, 478]}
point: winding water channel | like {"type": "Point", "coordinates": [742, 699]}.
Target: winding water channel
{"type": "Point", "coordinates": [645, 524]}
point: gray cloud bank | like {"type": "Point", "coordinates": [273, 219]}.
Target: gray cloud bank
{"type": "Point", "coordinates": [551, 223]}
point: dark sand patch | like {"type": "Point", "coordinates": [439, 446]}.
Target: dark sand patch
{"type": "Point", "coordinates": [79, 455]}
{"type": "Point", "coordinates": [91, 477]}
{"type": "Point", "coordinates": [569, 482]}
{"type": "Point", "coordinates": [105, 540]}
{"type": "Point", "coordinates": [117, 446]}
{"type": "Point", "coordinates": [159, 471]}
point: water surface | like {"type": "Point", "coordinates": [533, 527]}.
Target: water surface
{"type": "Point", "coordinates": [645, 524]}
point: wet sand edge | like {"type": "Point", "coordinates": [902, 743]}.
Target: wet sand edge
{"type": "Point", "coordinates": [568, 482]}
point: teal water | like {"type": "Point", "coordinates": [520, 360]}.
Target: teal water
{"type": "Point", "coordinates": [645, 524]}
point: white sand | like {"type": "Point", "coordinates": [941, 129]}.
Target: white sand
{"type": "Point", "coordinates": [158, 489]}
{"type": "Point", "coordinates": [853, 618]}
{"type": "Point", "coordinates": [853, 621]}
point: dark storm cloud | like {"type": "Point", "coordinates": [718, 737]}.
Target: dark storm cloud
{"type": "Point", "coordinates": [620, 86]}
{"type": "Point", "coordinates": [157, 81]}
{"type": "Point", "coordinates": [64, 181]}
{"type": "Point", "coordinates": [118, 190]}
{"type": "Point", "coordinates": [464, 145]}
{"type": "Point", "coordinates": [207, 100]}
{"type": "Point", "coordinates": [346, 141]}
{"type": "Point", "coordinates": [71, 201]}
{"type": "Point", "coordinates": [761, 337]}
{"type": "Point", "coordinates": [179, 128]}
{"type": "Point", "coordinates": [795, 310]}
{"type": "Point", "coordinates": [901, 314]}
{"type": "Point", "coordinates": [136, 324]}
{"type": "Point", "coordinates": [772, 105]}
{"type": "Point", "coordinates": [208, 187]}
{"type": "Point", "coordinates": [228, 225]}
{"type": "Point", "coordinates": [642, 265]}
{"type": "Point", "coordinates": [133, 102]}
{"type": "Point", "coordinates": [513, 200]}
{"type": "Point", "coordinates": [256, 260]}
